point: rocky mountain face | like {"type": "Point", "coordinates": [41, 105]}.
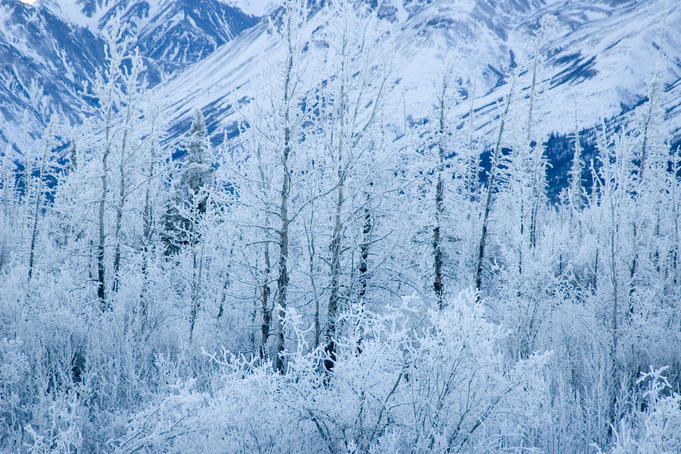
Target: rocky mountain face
{"type": "Point", "coordinates": [175, 33]}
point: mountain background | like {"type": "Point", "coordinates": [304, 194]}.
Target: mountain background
{"type": "Point", "coordinates": [209, 54]}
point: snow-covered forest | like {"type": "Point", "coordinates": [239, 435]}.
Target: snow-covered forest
{"type": "Point", "coordinates": [336, 275]}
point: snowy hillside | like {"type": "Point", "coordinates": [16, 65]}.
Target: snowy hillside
{"type": "Point", "coordinates": [601, 60]}
{"type": "Point", "coordinates": [35, 45]}
{"type": "Point", "coordinates": [59, 44]}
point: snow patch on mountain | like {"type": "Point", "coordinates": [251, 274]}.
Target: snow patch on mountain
{"type": "Point", "coordinates": [254, 7]}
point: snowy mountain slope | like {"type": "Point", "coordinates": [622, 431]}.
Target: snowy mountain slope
{"type": "Point", "coordinates": [190, 30]}
{"type": "Point", "coordinates": [36, 45]}
{"type": "Point", "coordinates": [606, 60]}
{"type": "Point", "coordinates": [224, 78]}
{"type": "Point", "coordinates": [254, 7]}
{"type": "Point", "coordinates": [601, 59]}
{"type": "Point", "coordinates": [58, 44]}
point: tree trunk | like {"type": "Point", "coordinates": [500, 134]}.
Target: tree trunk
{"type": "Point", "coordinates": [311, 254]}
{"type": "Point", "coordinates": [536, 177]}
{"type": "Point", "coordinates": [439, 191]}
{"type": "Point", "coordinates": [612, 356]}
{"type": "Point", "coordinates": [120, 206]}
{"type": "Point", "coordinates": [266, 309]}
{"type": "Point", "coordinates": [335, 247]}
{"type": "Point", "coordinates": [282, 280]}
{"type": "Point", "coordinates": [147, 221]}
{"type": "Point", "coordinates": [632, 269]}
{"type": "Point", "coordinates": [196, 291]}
{"type": "Point", "coordinates": [101, 271]}
{"type": "Point", "coordinates": [472, 165]}
{"type": "Point", "coordinates": [522, 233]}
{"type": "Point", "coordinates": [38, 199]}
{"type": "Point", "coordinates": [335, 272]}
{"type": "Point", "coordinates": [490, 189]}
{"type": "Point", "coordinates": [595, 280]}
{"type": "Point", "coordinates": [533, 220]}
{"type": "Point", "coordinates": [364, 254]}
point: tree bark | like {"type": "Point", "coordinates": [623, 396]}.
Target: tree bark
{"type": "Point", "coordinates": [147, 222]}
{"type": "Point", "coordinates": [364, 254]}
{"type": "Point", "coordinates": [121, 200]}
{"type": "Point", "coordinates": [196, 291]}
{"type": "Point", "coordinates": [536, 177]}
{"type": "Point", "coordinates": [439, 191]}
{"type": "Point", "coordinates": [612, 354]}
{"type": "Point", "coordinates": [335, 270]}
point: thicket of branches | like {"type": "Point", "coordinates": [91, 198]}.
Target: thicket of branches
{"type": "Point", "coordinates": [330, 282]}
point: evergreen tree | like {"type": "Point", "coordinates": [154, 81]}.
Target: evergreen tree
{"type": "Point", "coordinates": [189, 199]}
{"type": "Point", "coordinates": [197, 172]}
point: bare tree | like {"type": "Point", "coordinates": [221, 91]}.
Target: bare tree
{"type": "Point", "coordinates": [347, 125]}
{"type": "Point", "coordinates": [107, 91]}
{"type": "Point", "coordinates": [294, 15]}
{"type": "Point", "coordinates": [442, 110]}
{"type": "Point", "coordinates": [496, 156]}
{"type": "Point", "coordinates": [133, 91]}
{"type": "Point", "coordinates": [154, 171]}
{"type": "Point", "coordinates": [48, 143]}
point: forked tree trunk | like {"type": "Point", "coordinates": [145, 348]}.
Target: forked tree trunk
{"type": "Point", "coordinates": [335, 246]}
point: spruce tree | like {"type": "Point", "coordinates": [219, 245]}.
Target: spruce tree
{"type": "Point", "coordinates": [189, 199]}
